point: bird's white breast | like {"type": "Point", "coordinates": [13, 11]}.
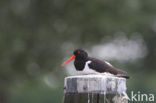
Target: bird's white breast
{"type": "Point", "coordinates": [87, 70]}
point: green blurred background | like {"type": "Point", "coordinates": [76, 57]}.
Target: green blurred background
{"type": "Point", "coordinates": [37, 35]}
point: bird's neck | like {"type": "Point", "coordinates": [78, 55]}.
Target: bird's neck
{"type": "Point", "coordinates": [80, 63]}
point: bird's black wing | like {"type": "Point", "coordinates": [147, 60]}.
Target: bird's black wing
{"type": "Point", "coordinates": [102, 67]}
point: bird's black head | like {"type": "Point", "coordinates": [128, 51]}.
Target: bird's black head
{"type": "Point", "coordinates": [79, 53]}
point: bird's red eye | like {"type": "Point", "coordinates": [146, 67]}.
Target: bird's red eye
{"type": "Point", "coordinates": [78, 52]}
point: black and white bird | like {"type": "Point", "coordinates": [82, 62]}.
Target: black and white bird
{"type": "Point", "coordinates": [89, 65]}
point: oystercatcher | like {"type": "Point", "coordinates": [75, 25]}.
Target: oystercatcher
{"type": "Point", "coordinates": [90, 65]}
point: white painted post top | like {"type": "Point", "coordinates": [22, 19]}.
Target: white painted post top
{"type": "Point", "coordinates": [102, 84]}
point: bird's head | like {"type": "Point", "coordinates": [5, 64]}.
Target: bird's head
{"type": "Point", "coordinates": [78, 54]}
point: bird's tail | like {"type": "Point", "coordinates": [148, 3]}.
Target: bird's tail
{"type": "Point", "coordinates": [123, 76]}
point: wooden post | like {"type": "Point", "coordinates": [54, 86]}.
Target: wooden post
{"type": "Point", "coordinates": [95, 89]}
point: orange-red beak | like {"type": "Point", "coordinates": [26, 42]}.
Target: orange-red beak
{"type": "Point", "coordinates": [67, 61]}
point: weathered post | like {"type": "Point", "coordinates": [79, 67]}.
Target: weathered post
{"type": "Point", "coordinates": [94, 89]}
